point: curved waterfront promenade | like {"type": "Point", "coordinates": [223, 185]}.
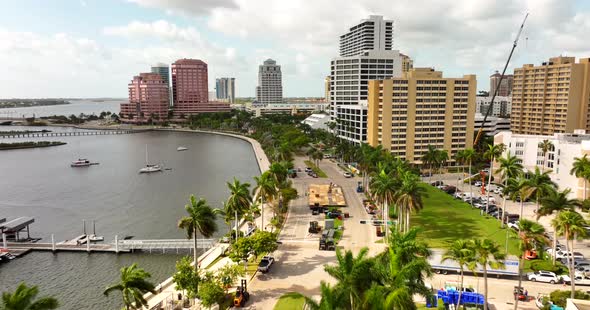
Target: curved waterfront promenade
{"type": "Point", "coordinates": [261, 159]}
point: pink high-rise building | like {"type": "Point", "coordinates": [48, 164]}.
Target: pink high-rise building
{"type": "Point", "coordinates": [148, 99]}
{"type": "Point", "coordinates": [189, 82]}
{"type": "Point", "coordinates": [190, 89]}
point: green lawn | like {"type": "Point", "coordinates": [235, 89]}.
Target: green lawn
{"type": "Point", "coordinates": [445, 219]}
{"type": "Point", "coordinates": [290, 301]}
{"type": "Point", "coordinates": [315, 169]}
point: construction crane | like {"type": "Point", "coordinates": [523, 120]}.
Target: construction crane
{"type": "Point", "coordinates": [480, 131]}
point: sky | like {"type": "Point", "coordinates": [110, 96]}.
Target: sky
{"type": "Point", "coordinates": [93, 48]}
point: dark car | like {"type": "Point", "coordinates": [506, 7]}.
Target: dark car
{"type": "Point", "coordinates": [449, 189]}
{"type": "Point", "coordinates": [334, 214]}
{"type": "Point", "coordinates": [437, 183]}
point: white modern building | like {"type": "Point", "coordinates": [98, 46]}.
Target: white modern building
{"type": "Point", "coordinates": [502, 105]}
{"type": "Point", "coordinates": [317, 121]}
{"type": "Point", "coordinates": [492, 126]}
{"type": "Point", "coordinates": [351, 121]}
{"type": "Point", "coordinates": [270, 84]}
{"type": "Point", "coordinates": [560, 159]}
{"type": "Point", "coordinates": [349, 80]}
{"type": "Point", "coordinates": [225, 89]}
{"type": "Point", "coordinates": [365, 54]}
{"type": "Point", "coordinates": [370, 34]}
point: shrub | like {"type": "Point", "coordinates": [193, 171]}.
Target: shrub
{"type": "Point", "coordinates": [560, 297]}
{"type": "Point", "coordinates": [559, 268]}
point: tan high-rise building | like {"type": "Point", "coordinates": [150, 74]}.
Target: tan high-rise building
{"type": "Point", "coordinates": [551, 98]}
{"type": "Point", "coordinates": [419, 109]}
{"type": "Point", "coordinates": [407, 63]}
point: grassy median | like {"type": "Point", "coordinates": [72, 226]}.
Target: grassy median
{"type": "Point", "coordinates": [316, 169]}
{"type": "Point", "coordinates": [445, 219]}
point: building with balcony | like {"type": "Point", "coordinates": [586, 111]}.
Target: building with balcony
{"type": "Point", "coordinates": [148, 99]}
{"type": "Point", "coordinates": [421, 108]}
{"type": "Point", "coordinates": [372, 34]}
{"type": "Point", "coordinates": [558, 161]}
{"type": "Point", "coordinates": [551, 98]}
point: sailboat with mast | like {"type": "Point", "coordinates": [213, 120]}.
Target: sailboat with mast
{"type": "Point", "coordinates": [149, 168]}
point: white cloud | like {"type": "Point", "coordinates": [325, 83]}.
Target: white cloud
{"type": "Point", "coordinates": [158, 29]}
{"type": "Point", "coordinates": [190, 7]}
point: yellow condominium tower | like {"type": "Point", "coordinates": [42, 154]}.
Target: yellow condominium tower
{"type": "Point", "coordinates": [419, 109]}
{"type": "Point", "coordinates": [551, 98]}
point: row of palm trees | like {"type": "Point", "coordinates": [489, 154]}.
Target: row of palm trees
{"type": "Point", "coordinates": [386, 281]}
{"type": "Point", "coordinates": [400, 189]}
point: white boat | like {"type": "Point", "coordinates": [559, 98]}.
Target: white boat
{"type": "Point", "coordinates": [82, 162]}
{"type": "Point", "coordinates": [149, 168]}
{"type": "Point", "coordinates": [182, 148]}
{"type": "Point", "coordinates": [95, 238]}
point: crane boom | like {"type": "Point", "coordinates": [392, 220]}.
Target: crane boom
{"type": "Point", "coordinates": [480, 131]}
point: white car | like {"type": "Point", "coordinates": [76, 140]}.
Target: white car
{"type": "Point", "coordinates": [543, 276]}
{"type": "Point", "coordinates": [347, 175]}
{"type": "Point", "coordinates": [513, 225]}
{"type": "Point", "coordinates": [563, 254]}
{"type": "Point", "coordinates": [477, 184]}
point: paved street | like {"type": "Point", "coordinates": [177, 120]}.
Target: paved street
{"type": "Point", "coordinates": [300, 265]}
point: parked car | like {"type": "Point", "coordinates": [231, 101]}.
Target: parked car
{"type": "Point", "coordinates": [437, 183]}
{"type": "Point", "coordinates": [449, 189]}
{"type": "Point", "coordinates": [347, 175]}
{"type": "Point", "coordinates": [513, 225]}
{"type": "Point", "coordinates": [265, 263]}
{"type": "Point", "coordinates": [563, 253]}
{"type": "Point", "coordinates": [458, 195]}
{"type": "Point", "coordinates": [543, 276]}
{"type": "Point", "coordinates": [334, 214]}
{"type": "Point", "coordinates": [477, 183]}
{"type": "Point", "coordinates": [577, 256]}
{"type": "Point", "coordinates": [308, 169]}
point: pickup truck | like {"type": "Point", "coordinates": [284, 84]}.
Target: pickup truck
{"type": "Point", "coordinates": [579, 279]}
{"type": "Point", "coordinates": [265, 264]}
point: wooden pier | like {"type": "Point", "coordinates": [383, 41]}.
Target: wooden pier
{"type": "Point", "coordinates": [14, 135]}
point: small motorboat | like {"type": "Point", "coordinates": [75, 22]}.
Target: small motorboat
{"type": "Point", "coordinates": [182, 148]}
{"type": "Point", "coordinates": [82, 162]}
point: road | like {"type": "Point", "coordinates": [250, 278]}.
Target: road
{"type": "Point", "coordinates": [299, 265]}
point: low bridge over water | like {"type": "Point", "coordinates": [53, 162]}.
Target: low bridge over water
{"type": "Point", "coordinates": [16, 134]}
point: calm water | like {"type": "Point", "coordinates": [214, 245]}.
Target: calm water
{"type": "Point", "coordinates": [76, 107]}
{"type": "Point", "coordinates": [41, 184]}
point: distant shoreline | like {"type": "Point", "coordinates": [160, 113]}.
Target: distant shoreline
{"type": "Point", "coordinates": [28, 103]}
{"type": "Point", "coordinates": [20, 145]}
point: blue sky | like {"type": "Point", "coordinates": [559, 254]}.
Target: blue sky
{"type": "Point", "coordinates": [93, 48]}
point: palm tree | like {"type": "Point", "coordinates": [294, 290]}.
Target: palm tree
{"type": "Point", "coordinates": [539, 184]}
{"type": "Point", "coordinates": [462, 253]}
{"type": "Point", "coordinates": [570, 224]}
{"type": "Point", "coordinates": [331, 299]}
{"type": "Point", "coordinates": [265, 190]}
{"type": "Point", "coordinates": [408, 198]}
{"type": "Point", "coordinates": [429, 158]}
{"type": "Point", "coordinates": [493, 152]}
{"type": "Point", "coordinates": [460, 159]}
{"type": "Point", "coordinates": [441, 157]}
{"type": "Point", "coordinates": [556, 201]}
{"type": "Point", "coordinates": [23, 298]}
{"type": "Point", "coordinates": [487, 254]}
{"type": "Point", "coordinates": [406, 247]}
{"type": "Point", "coordinates": [532, 237]}
{"type": "Point", "coordinates": [545, 147]}
{"type": "Point", "coordinates": [510, 167]}
{"type": "Point", "coordinates": [239, 200]}
{"type": "Point", "coordinates": [581, 169]}
{"type": "Point", "coordinates": [200, 218]}
{"type": "Point", "coordinates": [399, 274]}
{"type": "Point", "coordinates": [519, 188]}
{"type": "Point", "coordinates": [133, 286]}
{"type": "Point", "coordinates": [383, 188]}
{"type": "Point", "coordinates": [278, 172]}
{"type": "Point", "coordinates": [353, 275]}
{"type": "Point", "coordinates": [469, 157]}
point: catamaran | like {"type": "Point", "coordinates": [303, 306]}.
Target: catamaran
{"type": "Point", "coordinates": [149, 168]}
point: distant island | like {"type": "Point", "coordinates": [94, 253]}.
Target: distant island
{"type": "Point", "coordinates": [28, 145]}
{"type": "Point", "coordinates": [22, 103]}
